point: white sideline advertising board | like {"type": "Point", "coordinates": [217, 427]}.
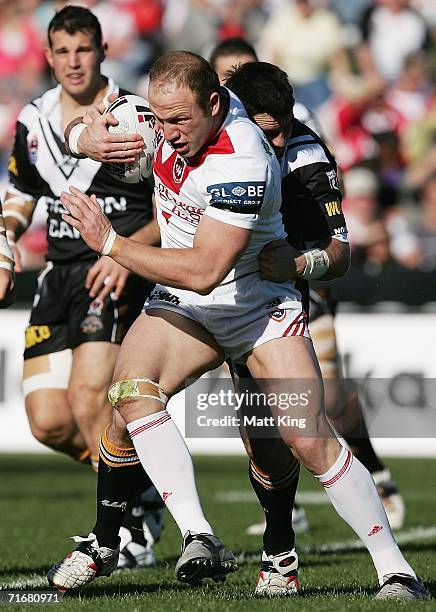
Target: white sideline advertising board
{"type": "Point", "coordinates": [388, 346]}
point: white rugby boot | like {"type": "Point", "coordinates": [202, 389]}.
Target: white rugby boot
{"type": "Point", "coordinates": [278, 576]}
{"type": "Point", "coordinates": [87, 561]}
{"type": "Point", "coordinates": [391, 498]}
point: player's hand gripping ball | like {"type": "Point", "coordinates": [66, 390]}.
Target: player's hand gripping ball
{"type": "Point", "coordinates": [134, 117]}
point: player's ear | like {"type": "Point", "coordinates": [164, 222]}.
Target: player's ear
{"type": "Point", "coordinates": [49, 56]}
{"type": "Point", "coordinates": [214, 103]}
{"type": "Point", "coordinates": [102, 53]}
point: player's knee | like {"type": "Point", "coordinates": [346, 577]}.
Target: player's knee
{"type": "Point", "coordinates": [87, 399]}
{"type": "Point", "coordinates": [51, 429]}
{"type": "Point", "coordinates": [312, 452]}
{"type": "Point", "coordinates": [133, 391]}
{"type": "Point", "coordinates": [117, 432]}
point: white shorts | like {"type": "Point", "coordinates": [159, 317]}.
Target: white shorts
{"type": "Point", "coordinates": [240, 318]}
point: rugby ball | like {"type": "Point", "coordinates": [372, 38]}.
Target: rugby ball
{"type": "Point", "coordinates": [134, 117]}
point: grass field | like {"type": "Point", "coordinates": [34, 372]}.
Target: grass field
{"type": "Point", "coordinates": [44, 499]}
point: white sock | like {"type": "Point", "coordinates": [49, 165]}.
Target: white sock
{"type": "Point", "coordinates": [166, 459]}
{"type": "Point", "coordinates": [353, 493]}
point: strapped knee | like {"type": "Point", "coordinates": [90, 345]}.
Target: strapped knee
{"type": "Point", "coordinates": [136, 387]}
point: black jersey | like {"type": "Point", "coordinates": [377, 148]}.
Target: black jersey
{"type": "Point", "coordinates": [40, 168]}
{"type": "Point", "coordinates": [311, 197]}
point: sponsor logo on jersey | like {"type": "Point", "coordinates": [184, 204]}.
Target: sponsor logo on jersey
{"type": "Point", "coordinates": [333, 179]}
{"type": "Point", "coordinates": [12, 165]}
{"type": "Point", "coordinates": [35, 334]}
{"type": "Point", "coordinates": [333, 208]}
{"type": "Point", "coordinates": [238, 197]}
{"type": "Point", "coordinates": [164, 296]}
{"type": "Point", "coordinates": [32, 147]}
{"type": "Point", "coordinates": [178, 169]}
{"type": "Point", "coordinates": [340, 230]}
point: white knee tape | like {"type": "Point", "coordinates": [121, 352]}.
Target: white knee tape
{"type": "Point", "coordinates": [56, 376]}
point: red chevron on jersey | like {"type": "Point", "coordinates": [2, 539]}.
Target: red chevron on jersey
{"type": "Point", "coordinates": [174, 170]}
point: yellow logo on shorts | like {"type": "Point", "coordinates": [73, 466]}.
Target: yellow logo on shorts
{"type": "Point", "coordinates": [12, 165]}
{"type": "Point", "coordinates": [35, 334]}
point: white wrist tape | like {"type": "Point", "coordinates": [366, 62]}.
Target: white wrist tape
{"type": "Point", "coordinates": [10, 235]}
{"type": "Point", "coordinates": [317, 264]}
{"type": "Point", "coordinates": [74, 136]}
{"type": "Point", "coordinates": [109, 242]}
{"type": "Point", "coordinates": [6, 255]}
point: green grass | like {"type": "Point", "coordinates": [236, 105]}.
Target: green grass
{"type": "Point", "coordinates": [44, 499]}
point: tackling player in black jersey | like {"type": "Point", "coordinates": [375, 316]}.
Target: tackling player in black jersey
{"type": "Point", "coordinates": [83, 304]}
{"type": "Point", "coordinates": [312, 216]}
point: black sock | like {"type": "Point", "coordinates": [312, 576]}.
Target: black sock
{"type": "Point", "coordinates": [119, 475]}
{"type": "Point", "coordinates": [277, 499]}
{"type": "Point", "coordinates": [363, 449]}
{"type": "Point", "coordinates": [352, 427]}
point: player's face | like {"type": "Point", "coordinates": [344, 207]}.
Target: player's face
{"type": "Point", "coordinates": [186, 126]}
{"type": "Point", "coordinates": [75, 61]}
{"type": "Point", "coordinates": [226, 63]}
{"type": "Point", "coordinates": [277, 133]}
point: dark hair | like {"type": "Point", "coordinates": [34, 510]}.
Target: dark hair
{"type": "Point", "coordinates": [186, 69]}
{"type": "Point", "coordinates": [262, 88]}
{"type": "Point", "coordinates": [74, 19]}
{"type": "Point", "coordinates": [231, 46]}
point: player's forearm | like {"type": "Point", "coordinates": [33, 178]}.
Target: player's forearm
{"type": "Point", "coordinates": [337, 257]}
{"type": "Point", "coordinates": [188, 269]}
{"type": "Point", "coordinates": [6, 255]}
{"type": "Point", "coordinates": [338, 253]}
{"type": "Point", "coordinates": [17, 214]}
{"type": "Point", "coordinates": [149, 234]}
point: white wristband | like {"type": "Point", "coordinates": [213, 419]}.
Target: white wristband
{"type": "Point", "coordinates": [6, 255]}
{"type": "Point", "coordinates": [107, 248]}
{"type": "Point", "coordinates": [317, 264]}
{"type": "Point", "coordinates": [74, 136]}
{"type": "Point", "coordinates": [10, 235]}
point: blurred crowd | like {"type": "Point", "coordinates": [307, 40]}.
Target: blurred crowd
{"type": "Point", "coordinates": [367, 68]}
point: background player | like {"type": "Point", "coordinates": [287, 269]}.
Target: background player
{"type": "Point", "coordinates": [342, 403]}
{"type": "Point", "coordinates": [83, 305]}
{"type": "Point", "coordinates": [6, 267]}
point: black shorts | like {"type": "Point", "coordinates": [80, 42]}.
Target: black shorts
{"type": "Point", "coordinates": [64, 315]}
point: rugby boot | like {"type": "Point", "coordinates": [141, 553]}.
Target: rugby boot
{"type": "Point", "coordinates": [402, 586]}
{"type": "Point", "coordinates": [391, 498]}
{"type": "Point", "coordinates": [204, 556]}
{"type": "Point", "coordinates": [87, 561]}
{"type": "Point", "coordinates": [278, 576]}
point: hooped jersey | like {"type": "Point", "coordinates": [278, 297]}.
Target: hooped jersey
{"type": "Point", "coordinates": [40, 169]}
{"type": "Point", "coordinates": [312, 199]}
{"type": "Point", "coordinates": [235, 178]}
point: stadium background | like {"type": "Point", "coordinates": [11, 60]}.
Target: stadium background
{"type": "Point", "coordinates": [373, 89]}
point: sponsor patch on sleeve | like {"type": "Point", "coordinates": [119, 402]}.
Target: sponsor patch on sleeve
{"type": "Point", "coordinates": [239, 197]}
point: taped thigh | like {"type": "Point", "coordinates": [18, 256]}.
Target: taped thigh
{"type": "Point", "coordinates": [51, 371]}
